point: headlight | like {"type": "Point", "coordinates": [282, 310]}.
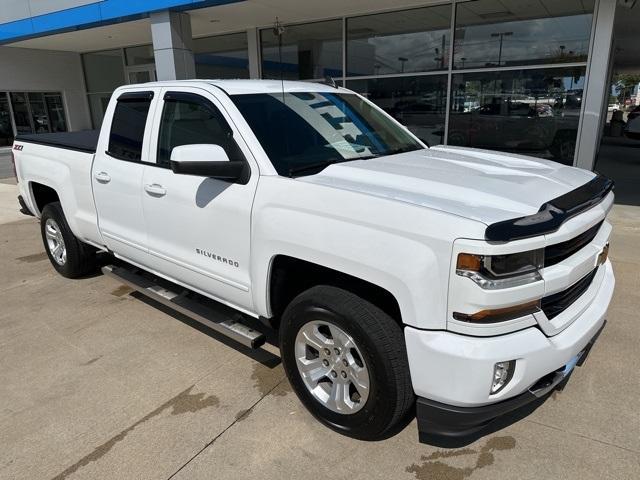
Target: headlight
{"type": "Point", "coordinates": [501, 271]}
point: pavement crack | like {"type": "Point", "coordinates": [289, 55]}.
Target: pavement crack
{"type": "Point", "coordinates": [181, 403]}
{"type": "Point", "coordinates": [231, 425]}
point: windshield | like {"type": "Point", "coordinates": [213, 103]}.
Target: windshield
{"type": "Point", "coordinates": [303, 132]}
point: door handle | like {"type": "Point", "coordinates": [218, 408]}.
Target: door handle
{"type": "Point", "coordinates": [102, 177]}
{"type": "Point", "coordinates": [155, 190]}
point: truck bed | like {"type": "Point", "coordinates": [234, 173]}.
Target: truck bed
{"type": "Point", "coordinates": [83, 141]}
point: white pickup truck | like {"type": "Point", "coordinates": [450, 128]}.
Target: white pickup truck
{"type": "Point", "coordinates": [466, 283]}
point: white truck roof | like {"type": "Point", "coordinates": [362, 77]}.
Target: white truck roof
{"type": "Point", "coordinates": [241, 86]}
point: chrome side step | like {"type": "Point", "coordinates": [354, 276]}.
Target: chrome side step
{"type": "Point", "coordinates": [214, 315]}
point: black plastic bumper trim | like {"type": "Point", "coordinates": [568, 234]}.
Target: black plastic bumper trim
{"type": "Point", "coordinates": [553, 213]}
{"type": "Point", "coordinates": [435, 418]}
{"type": "Point", "coordinates": [450, 421]}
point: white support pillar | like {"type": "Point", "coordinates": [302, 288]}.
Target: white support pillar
{"type": "Point", "coordinates": [172, 45]}
{"type": "Point", "coordinates": [596, 96]}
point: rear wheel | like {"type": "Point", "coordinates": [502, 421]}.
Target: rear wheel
{"type": "Point", "coordinates": [346, 360]}
{"type": "Point", "coordinates": [69, 256]}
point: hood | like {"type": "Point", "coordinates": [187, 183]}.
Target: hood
{"type": "Point", "coordinates": [478, 184]}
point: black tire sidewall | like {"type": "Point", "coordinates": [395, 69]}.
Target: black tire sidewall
{"type": "Point", "coordinates": [372, 419]}
{"type": "Point", "coordinates": [76, 264]}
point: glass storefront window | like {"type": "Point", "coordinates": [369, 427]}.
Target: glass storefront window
{"type": "Point", "coordinates": [103, 71]}
{"type": "Point", "coordinates": [21, 115]}
{"type": "Point", "coordinates": [222, 56]}
{"type": "Point", "coordinates": [55, 109]}
{"type": "Point", "coordinates": [418, 102]}
{"type": "Point", "coordinates": [534, 112]}
{"type": "Point", "coordinates": [33, 112]}
{"type": "Point", "coordinates": [141, 55]}
{"type": "Point", "coordinates": [312, 50]}
{"type": "Point", "coordinates": [414, 40]}
{"type": "Point", "coordinates": [98, 103]}
{"type": "Point", "coordinates": [38, 113]}
{"type": "Point", "coordinates": [6, 130]}
{"type": "Point", "coordinates": [492, 33]}
{"type": "Point", "coordinates": [139, 76]}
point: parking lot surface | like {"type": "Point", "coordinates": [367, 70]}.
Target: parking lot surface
{"type": "Point", "coordinates": [97, 382]}
{"type": "Point", "coordinates": [6, 168]}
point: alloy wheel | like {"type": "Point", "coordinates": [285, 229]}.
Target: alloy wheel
{"type": "Point", "coordinates": [332, 367]}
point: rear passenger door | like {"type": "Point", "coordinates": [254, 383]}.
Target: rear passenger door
{"type": "Point", "coordinates": [117, 174]}
{"type": "Point", "coordinates": [199, 228]}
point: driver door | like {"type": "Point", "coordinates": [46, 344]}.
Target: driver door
{"type": "Point", "coordinates": [198, 228]}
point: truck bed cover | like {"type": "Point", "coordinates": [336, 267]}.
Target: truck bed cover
{"type": "Point", "coordinates": [83, 141]}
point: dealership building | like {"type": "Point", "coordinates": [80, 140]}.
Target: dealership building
{"type": "Point", "coordinates": [525, 76]}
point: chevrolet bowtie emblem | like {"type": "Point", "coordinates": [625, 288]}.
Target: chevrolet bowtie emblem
{"type": "Point", "coordinates": [604, 254]}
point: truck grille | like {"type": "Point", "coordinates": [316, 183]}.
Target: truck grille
{"type": "Point", "coordinates": [558, 252]}
{"type": "Point", "coordinates": [554, 305]}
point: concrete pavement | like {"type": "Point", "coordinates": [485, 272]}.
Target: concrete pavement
{"type": "Point", "coordinates": [6, 169]}
{"type": "Point", "coordinates": [96, 382]}
{"type": "Point", "coordinates": [9, 202]}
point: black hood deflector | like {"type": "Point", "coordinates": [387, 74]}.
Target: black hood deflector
{"type": "Point", "coordinates": [553, 213]}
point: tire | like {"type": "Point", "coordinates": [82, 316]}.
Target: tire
{"type": "Point", "coordinates": [458, 139]}
{"type": "Point", "coordinates": [76, 259]}
{"type": "Point", "coordinates": [379, 342]}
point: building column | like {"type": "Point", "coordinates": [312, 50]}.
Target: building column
{"type": "Point", "coordinates": [596, 96]}
{"type": "Point", "coordinates": [253, 45]}
{"type": "Point", "coordinates": [172, 45]}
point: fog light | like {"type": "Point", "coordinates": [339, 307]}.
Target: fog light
{"type": "Point", "coordinates": [502, 374]}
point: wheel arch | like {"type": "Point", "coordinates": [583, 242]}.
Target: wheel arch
{"type": "Point", "coordinates": [42, 195]}
{"type": "Point", "coordinates": [289, 276]}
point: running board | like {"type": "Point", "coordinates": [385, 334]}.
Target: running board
{"type": "Point", "coordinates": [214, 315]}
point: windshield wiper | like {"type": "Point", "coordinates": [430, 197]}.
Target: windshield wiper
{"type": "Point", "coordinates": [396, 151]}
{"type": "Point", "coordinates": [325, 163]}
{"type": "Point", "coordinates": [311, 166]}
{"type": "Point", "coordinates": [367, 157]}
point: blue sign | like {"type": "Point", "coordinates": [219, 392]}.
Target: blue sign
{"type": "Point", "coordinates": [100, 13]}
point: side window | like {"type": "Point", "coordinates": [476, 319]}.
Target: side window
{"type": "Point", "coordinates": [127, 127]}
{"type": "Point", "coordinates": [189, 119]}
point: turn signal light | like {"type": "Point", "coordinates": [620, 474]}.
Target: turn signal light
{"type": "Point", "coordinates": [495, 315]}
{"type": "Point", "coordinates": [469, 262]}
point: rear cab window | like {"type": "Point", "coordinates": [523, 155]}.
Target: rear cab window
{"type": "Point", "coordinates": [128, 126]}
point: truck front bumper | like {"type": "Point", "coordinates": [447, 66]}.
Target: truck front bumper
{"type": "Point", "coordinates": [439, 419]}
{"type": "Point", "coordinates": [452, 373]}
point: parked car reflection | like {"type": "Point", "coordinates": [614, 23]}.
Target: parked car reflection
{"type": "Point", "coordinates": [543, 127]}
{"type": "Point", "coordinates": [632, 128]}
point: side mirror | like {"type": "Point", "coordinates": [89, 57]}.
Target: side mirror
{"type": "Point", "coordinates": [207, 160]}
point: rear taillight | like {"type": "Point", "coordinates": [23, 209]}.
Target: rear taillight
{"type": "Point", "coordinates": [13, 164]}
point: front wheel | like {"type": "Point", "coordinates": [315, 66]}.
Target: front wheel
{"type": "Point", "coordinates": [347, 362]}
